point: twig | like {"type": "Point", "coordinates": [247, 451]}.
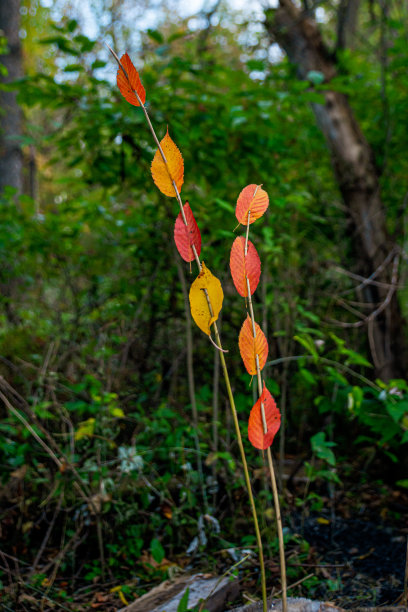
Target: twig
{"type": "Point", "coordinates": [229, 570]}
{"type": "Point", "coordinates": [51, 580]}
{"type": "Point", "coordinates": [43, 596]}
{"type": "Point", "coordinates": [369, 280]}
{"type": "Point", "coordinates": [6, 569]}
{"type": "Point", "coordinates": [47, 536]}
{"type": "Point", "coordinates": [324, 360]}
{"type": "Point", "coordinates": [99, 530]}
{"type": "Point", "coordinates": [59, 556]}
{"type": "Point", "coordinates": [3, 554]}
{"type": "Point", "coordinates": [295, 584]}
{"type": "Point", "coordinates": [78, 484]}
{"type": "Point", "coordinates": [27, 425]}
{"type": "Point", "coordinates": [392, 287]}
{"type": "Point", "coordinates": [372, 344]}
{"type": "Point", "coordinates": [47, 435]}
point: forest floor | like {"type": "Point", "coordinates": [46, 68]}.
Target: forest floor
{"type": "Point", "coordinates": [352, 552]}
{"type": "Point", "coordinates": [358, 546]}
{"type": "Point", "coordinates": [363, 562]}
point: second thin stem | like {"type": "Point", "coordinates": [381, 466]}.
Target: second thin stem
{"type": "Point", "coordinates": [268, 451]}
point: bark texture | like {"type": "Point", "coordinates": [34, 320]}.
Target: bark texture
{"type": "Point", "coordinates": [376, 255]}
{"type": "Point", "coordinates": [11, 160]}
{"type": "Point", "coordinates": [347, 22]}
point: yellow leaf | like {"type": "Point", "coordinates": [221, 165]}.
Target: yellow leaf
{"type": "Point", "coordinates": [164, 175]}
{"type": "Point", "coordinates": [198, 302]}
{"type": "Point", "coordinates": [322, 521]}
{"type": "Point", "coordinates": [117, 412]}
{"type": "Point", "coordinates": [118, 590]}
{"type": "Point", "coordinates": [86, 428]}
{"type": "Point", "coordinates": [269, 513]}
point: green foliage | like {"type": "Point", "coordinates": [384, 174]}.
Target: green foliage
{"type": "Point", "coordinates": [322, 448]}
{"type": "Point", "coordinates": [183, 605]}
{"type": "Point", "coordinates": [157, 550]}
{"type": "Point", "coordinates": [90, 301]}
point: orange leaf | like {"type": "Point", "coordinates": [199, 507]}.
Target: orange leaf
{"type": "Point", "coordinates": [254, 199]}
{"type": "Point", "coordinates": [250, 346]}
{"type": "Point", "coordinates": [242, 266]}
{"type": "Point", "coordinates": [256, 434]}
{"type": "Point", "coordinates": [186, 236]}
{"type": "Point", "coordinates": [164, 175]}
{"type": "Point", "coordinates": [128, 86]}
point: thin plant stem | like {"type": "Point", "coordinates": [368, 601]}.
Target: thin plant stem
{"type": "Point", "coordinates": [227, 573]}
{"type": "Point", "coordinates": [216, 380]}
{"type": "Point", "coordinates": [245, 467]}
{"type": "Point", "coordinates": [324, 360]}
{"type": "Point", "coordinates": [282, 560]}
{"type": "Point", "coordinates": [219, 347]}
{"type": "Point", "coordinates": [268, 451]}
{"type": "Point", "coordinates": [405, 593]}
{"type": "Point", "coordinates": [282, 438]}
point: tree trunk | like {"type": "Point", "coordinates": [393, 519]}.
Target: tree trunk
{"type": "Point", "coordinates": [11, 160]}
{"type": "Point", "coordinates": [375, 252]}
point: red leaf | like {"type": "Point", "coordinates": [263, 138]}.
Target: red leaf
{"type": "Point", "coordinates": [254, 199]}
{"type": "Point", "coordinates": [127, 87]}
{"type": "Point", "coordinates": [242, 266]}
{"type": "Point", "coordinates": [250, 346]}
{"type": "Point", "coordinates": [185, 236]}
{"type": "Point", "coordinates": [256, 434]}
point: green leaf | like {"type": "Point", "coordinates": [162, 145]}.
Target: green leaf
{"type": "Point", "coordinates": [354, 358]}
{"type": "Point", "coordinates": [176, 36]}
{"type": "Point", "coordinates": [308, 377]}
{"type": "Point", "coordinates": [157, 550]}
{"type": "Point", "coordinates": [307, 342]}
{"type": "Point", "coordinates": [321, 448]}
{"type": "Point", "coordinates": [313, 97]}
{"type": "Point", "coordinates": [225, 205]}
{"type": "Point", "coordinates": [183, 604]}
{"type": "Point", "coordinates": [86, 43]}
{"type": "Point", "coordinates": [98, 64]}
{"type": "Point", "coordinates": [155, 35]}
{"type": "Point", "coordinates": [74, 68]}
{"type": "Point", "coordinates": [71, 25]}
{"type": "Point", "coordinates": [397, 409]}
{"type": "Point", "coordinates": [255, 64]}
{"type": "Point", "coordinates": [355, 398]}
{"type": "Point", "coordinates": [117, 412]}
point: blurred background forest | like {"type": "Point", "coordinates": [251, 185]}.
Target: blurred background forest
{"type": "Point", "coordinates": [117, 470]}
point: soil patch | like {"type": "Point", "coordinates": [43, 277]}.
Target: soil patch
{"type": "Point", "coordinates": [372, 557]}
